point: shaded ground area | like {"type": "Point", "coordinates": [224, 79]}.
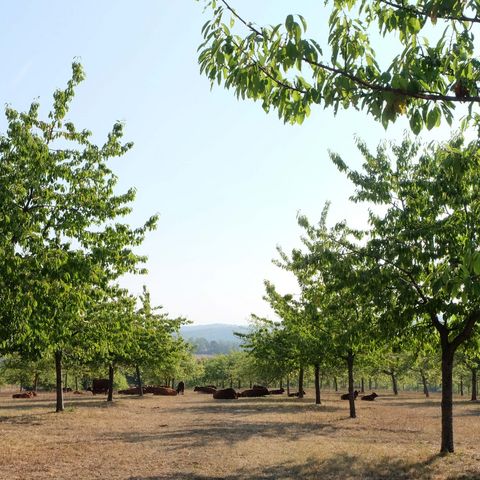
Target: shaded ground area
{"type": "Point", "coordinates": [195, 437]}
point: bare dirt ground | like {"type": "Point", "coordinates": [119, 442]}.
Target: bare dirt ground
{"type": "Point", "coordinates": [195, 437]}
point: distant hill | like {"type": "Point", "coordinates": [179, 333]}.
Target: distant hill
{"type": "Point", "coordinates": [214, 331]}
{"type": "Point", "coordinates": [213, 339]}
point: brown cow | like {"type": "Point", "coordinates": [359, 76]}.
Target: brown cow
{"type": "Point", "coordinates": [253, 392]}
{"type": "Point", "coordinates": [99, 385]}
{"type": "Point", "coordinates": [163, 391]}
{"type": "Point", "coordinates": [225, 394]}
{"type": "Point", "coordinates": [181, 388]}
{"type": "Point", "coordinates": [208, 389]}
{"type": "Point", "coordinates": [276, 392]}
{"type": "Point", "coordinates": [24, 395]}
{"type": "Point", "coordinates": [346, 396]}
{"type": "Point", "coordinates": [296, 394]}
{"type": "Point", "coordinates": [131, 391]}
{"type": "Point", "coordinates": [369, 398]}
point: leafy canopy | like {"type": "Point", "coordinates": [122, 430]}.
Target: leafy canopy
{"type": "Point", "coordinates": [431, 64]}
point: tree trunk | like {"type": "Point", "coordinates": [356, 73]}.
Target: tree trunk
{"type": "Point", "coordinates": [425, 385]}
{"type": "Point", "coordinates": [362, 385]}
{"type": "Point", "coordinates": [447, 398]}
{"type": "Point", "coordinates": [65, 384]}
{"type": "Point", "coordinates": [351, 397]}
{"type": "Point", "coordinates": [139, 380]}
{"type": "Point", "coordinates": [300, 382]}
{"type": "Point", "coordinates": [317, 385]}
{"type": "Point", "coordinates": [335, 383]}
{"type": "Point", "coordinates": [173, 383]}
{"type": "Point", "coordinates": [474, 385]}
{"type": "Point", "coordinates": [288, 385]}
{"type": "Point", "coordinates": [461, 386]}
{"type": "Point", "coordinates": [394, 382]}
{"type": "Point", "coordinates": [251, 384]}
{"type": "Point", "coordinates": [370, 384]}
{"type": "Point", "coordinates": [281, 383]}
{"type": "Point", "coordinates": [35, 382]}
{"type": "Point", "coordinates": [76, 383]}
{"type": "Point", "coordinates": [58, 372]}
{"type": "Point", "coordinates": [110, 383]}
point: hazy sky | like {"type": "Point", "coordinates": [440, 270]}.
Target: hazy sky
{"type": "Point", "coordinates": [226, 179]}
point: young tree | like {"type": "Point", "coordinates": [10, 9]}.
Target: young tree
{"type": "Point", "coordinates": [432, 65]}
{"type": "Point", "coordinates": [424, 244]}
{"type": "Point", "coordinates": [60, 232]}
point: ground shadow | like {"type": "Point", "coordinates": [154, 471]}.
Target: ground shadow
{"type": "Point", "coordinates": [230, 433]}
{"type": "Point", "coordinates": [248, 406]}
{"type": "Point", "coordinates": [343, 467]}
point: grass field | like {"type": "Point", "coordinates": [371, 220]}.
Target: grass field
{"type": "Point", "coordinates": [196, 437]}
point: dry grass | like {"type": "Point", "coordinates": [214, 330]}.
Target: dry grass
{"type": "Point", "coordinates": [195, 437]}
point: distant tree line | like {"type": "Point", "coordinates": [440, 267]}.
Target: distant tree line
{"type": "Point", "coordinates": [202, 346]}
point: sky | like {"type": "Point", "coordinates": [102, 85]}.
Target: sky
{"type": "Point", "coordinates": [226, 179]}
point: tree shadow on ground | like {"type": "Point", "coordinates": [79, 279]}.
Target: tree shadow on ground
{"type": "Point", "coordinates": [192, 437]}
{"type": "Point", "coordinates": [345, 467]}
{"type": "Point", "coordinates": [252, 406]}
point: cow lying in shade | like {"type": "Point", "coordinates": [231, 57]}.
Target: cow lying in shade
{"type": "Point", "coordinates": [131, 391]}
{"type": "Point", "coordinates": [225, 394]}
{"type": "Point", "coordinates": [163, 391]}
{"type": "Point", "coordinates": [346, 396]}
{"type": "Point", "coordinates": [276, 392]}
{"type": "Point", "coordinates": [253, 392]}
{"type": "Point", "coordinates": [207, 389]}
{"type": "Point", "coordinates": [370, 398]}
{"type": "Point", "coordinates": [99, 385]}
{"type": "Point", "coordinates": [296, 394]}
{"type": "Point", "coordinates": [24, 395]}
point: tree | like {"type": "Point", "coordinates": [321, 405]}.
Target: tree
{"type": "Point", "coordinates": [424, 244]}
{"type": "Point", "coordinates": [61, 239]}
{"type": "Point", "coordinates": [432, 67]}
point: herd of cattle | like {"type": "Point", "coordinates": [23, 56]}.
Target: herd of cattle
{"type": "Point", "coordinates": [261, 391]}
{"type": "Point", "coordinates": [101, 385]}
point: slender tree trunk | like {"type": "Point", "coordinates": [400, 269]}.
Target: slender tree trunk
{"type": "Point", "coordinates": [317, 385]}
{"type": "Point", "coordinates": [58, 372]}
{"type": "Point", "coordinates": [300, 382]}
{"type": "Point", "coordinates": [461, 386]}
{"type": "Point", "coordinates": [173, 383]}
{"type": "Point", "coordinates": [110, 383]}
{"type": "Point", "coordinates": [139, 380]}
{"type": "Point", "coordinates": [474, 385]}
{"type": "Point", "coordinates": [281, 383]}
{"type": "Point", "coordinates": [425, 385]}
{"type": "Point", "coordinates": [251, 384]}
{"type": "Point", "coordinates": [351, 397]}
{"type": "Point", "coordinates": [288, 385]}
{"type": "Point", "coordinates": [335, 383]}
{"type": "Point", "coordinates": [394, 382]}
{"type": "Point", "coordinates": [76, 383]}
{"type": "Point", "coordinates": [35, 382]}
{"type": "Point", "coordinates": [447, 398]}
{"type": "Point", "coordinates": [369, 383]}
{"type": "Point", "coordinates": [362, 385]}
{"type": "Point", "coordinates": [66, 380]}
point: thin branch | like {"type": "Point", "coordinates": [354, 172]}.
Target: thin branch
{"type": "Point", "coordinates": [423, 13]}
{"type": "Point", "coordinates": [375, 87]}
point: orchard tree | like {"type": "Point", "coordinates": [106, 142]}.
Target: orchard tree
{"type": "Point", "coordinates": [428, 67]}
{"type": "Point", "coordinates": [424, 244]}
{"type": "Point", "coordinates": [60, 229]}
{"type": "Point", "coordinates": [156, 343]}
